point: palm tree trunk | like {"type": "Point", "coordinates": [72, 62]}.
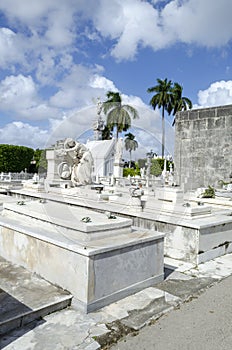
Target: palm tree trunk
{"type": "Point", "coordinates": [130, 159]}
{"type": "Point", "coordinates": [116, 133]}
{"type": "Point", "coordinates": [163, 132]}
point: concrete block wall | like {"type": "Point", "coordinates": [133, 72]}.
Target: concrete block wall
{"type": "Point", "coordinates": [203, 147]}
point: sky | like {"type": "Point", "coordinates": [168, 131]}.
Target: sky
{"type": "Point", "coordinates": [59, 57]}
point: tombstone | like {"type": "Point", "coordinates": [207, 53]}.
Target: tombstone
{"type": "Point", "coordinates": [135, 203]}
{"type": "Point", "coordinates": [69, 161]}
{"type": "Point", "coordinates": [35, 177]}
{"type": "Point", "coordinates": [142, 172]}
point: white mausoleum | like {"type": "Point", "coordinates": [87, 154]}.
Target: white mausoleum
{"type": "Point", "coordinates": [103, 155]}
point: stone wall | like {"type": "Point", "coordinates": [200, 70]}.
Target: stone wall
{"type": "Point", "coordinates": [203, 147]}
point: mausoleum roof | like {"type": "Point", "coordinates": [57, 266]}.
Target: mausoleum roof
{"type": "Point", "coordinates": [101, 149]}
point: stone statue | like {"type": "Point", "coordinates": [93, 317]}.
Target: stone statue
{"type": "Point", "coordinates": [142, 172]}
{"type": "Point", "coordinates": [98, 125]}
{"type": "Point", "coordinates": [99, 106]}
{"type": "Point", "coordinates": [81, 163]}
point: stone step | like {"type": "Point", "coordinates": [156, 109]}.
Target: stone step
{"type": "Point", "coordinates": [25, 297]}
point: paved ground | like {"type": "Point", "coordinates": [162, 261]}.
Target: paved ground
{"type": "Point", "coordinates": [25, 297]}
{"type": "Point", "coordinates": [202, 324]}
{"type": "Point", "coordinates": [70, 329]}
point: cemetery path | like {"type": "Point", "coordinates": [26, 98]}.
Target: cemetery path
{"type": "Point", "coordinates": [203, 323]}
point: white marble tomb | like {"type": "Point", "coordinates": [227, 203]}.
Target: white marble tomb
{"type": "Point", "coordinates": [98, 258]}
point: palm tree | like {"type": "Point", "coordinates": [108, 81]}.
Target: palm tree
{"type": "Point", "coordinates": [162, 99]}
{"type": "Point", "coordinates": [106, 133]}
{"type": "Point", "coordinates": [179, 102]}
{"type": "Point", "coordinates": [130, 144]}
{"type": "Point", "coordinates": [118, 115]}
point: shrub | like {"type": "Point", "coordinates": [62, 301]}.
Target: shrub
{"type": "Point", "coordinates": [209, 193]}
{"type": "Point", "coordinates": [157, 166]}
{"type": "Point", "coordinates": [131, 171]}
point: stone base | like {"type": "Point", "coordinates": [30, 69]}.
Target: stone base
{"type": "Point", "coordinates": [35, 186]}
{"type": "Point", "coordinates": [118, 170]}
{"type": "Point", "coordinates": [201, 241]}
{"type": "Point", "coordinates": [49, 185]}
{"type": "Point", "coordinates": [181, 210]}
{"type": "Point", "coordinates": [135, 205]}
{"type": "Point", "coordinates": [96, 272]}
{"type": "Point", "coordinates": [169, 194]}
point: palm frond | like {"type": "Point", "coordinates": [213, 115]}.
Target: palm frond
{"type": "Point", "coordinates": [118, 115]}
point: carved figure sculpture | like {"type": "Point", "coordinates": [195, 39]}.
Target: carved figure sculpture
{"type": "Point", "coordinates": [64, 171]}
{"type": "Point", "coordinates": [82, 162]}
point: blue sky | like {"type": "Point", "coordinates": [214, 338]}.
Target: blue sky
{"type": "Point", "coordinates": [57, 58]}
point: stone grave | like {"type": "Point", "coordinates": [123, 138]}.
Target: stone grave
{"type": "Point", "coordinates": [194, 231]}
{"type": "Point", "coordinates": [97, 257]}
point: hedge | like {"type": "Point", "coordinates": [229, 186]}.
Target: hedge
{"type": "Point", "coordinates": [15, 158]}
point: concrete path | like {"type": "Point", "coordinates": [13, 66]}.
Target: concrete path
{"type": "Point", "coordinates": [71, 329]}
{"type": "Point", "coordinates": [204, 323]}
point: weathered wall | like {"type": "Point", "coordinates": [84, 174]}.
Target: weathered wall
{"type": "Point", "coordinates": [203, 147]}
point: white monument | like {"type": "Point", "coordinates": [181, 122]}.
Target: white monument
{"type": "Point", "coordinates": [98, 257]}
{"type": "Point", "coordinates": [71, 162]}
{"type": "Point", "coordinates": [118, 163]}
{"type": "Point", "coordinates": [103, 156]}
{"type": "Point", "coordinates": [98, 125]}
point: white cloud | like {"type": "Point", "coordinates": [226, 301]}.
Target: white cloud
{"type": "Point", "coordinates": [45, 37]}
{"type": "Point", "coordinates": [17, 92]}
{"type": "Point", "coordinates": [100, 82]}
{"type": "Point", "coordinates": [205, 22]}
{"type": "Point", "coordinates": [11, 48]}
{"type": "Point", "coordinates": [218, 94]}
{"type": "Point", "coordinates": [44, 17]}
{"type": "Point", "coordinates": [19, 96]}
{"type": "Point", "coordinates": [24, 12]}
{"type": "Point", "coordinates": [81, 87]}
{"type": "Point", "coordinates": [46, 68]}
{"type": "Point", "coordinates": [74, 124]}
{"type": "Point", "coordinates": [40, 112]}
{"type": "Point", "coordinates": [133, 24]}
{"type": "Point", "coordinates": [137, 23]}
{"type": "Point", "coordinates": [18, 133]}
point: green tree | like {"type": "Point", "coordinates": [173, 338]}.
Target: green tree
{"type": "Point", "coordinates": [15, 158]}
{"type": "Point", "coordinates": [162, 99]}
{"type": "Point", "coordinates": [130, 144]}
{"type": "Point", "coordinates": [142, 162]}
{"type": "Point", "coordinates": [179, 103]}
{"type": "Point", "coordinates": [118, 115]}
{"type": "Point", "coordinates": [106, 133]}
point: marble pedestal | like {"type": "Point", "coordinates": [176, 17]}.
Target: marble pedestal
{"type": "Point", "coordinates": [118, 169]}
{"type": "Point", "coordinates": [99, 260]}
{"type": "Point", "coordinates": [169, 194]}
